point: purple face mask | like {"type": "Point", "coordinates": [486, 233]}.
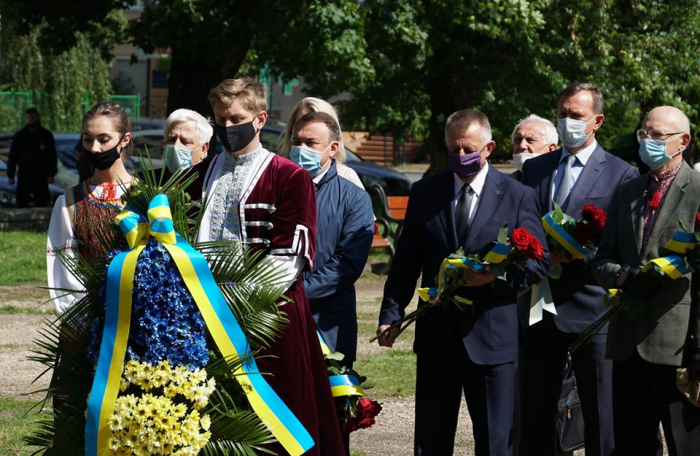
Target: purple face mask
{"type": "Point", "coordinates": [465, 166]}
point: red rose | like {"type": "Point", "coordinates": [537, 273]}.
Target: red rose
{"type": "Point", "coordinates": [600, 218]}
{"type": "Point", "coordinates": [585, 233]}
{"type": "Point", "coordinates": [697, 221]}
{"type": "Point", "coordinates": [350, 425]}
{"type": "Point", "coordinates": [368, 408]}
{"type": "Point", "coordinates": [589, 212]}
{"type": "Point", "coordinates": [527, 243]}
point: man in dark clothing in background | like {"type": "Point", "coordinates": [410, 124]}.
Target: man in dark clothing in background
{"type": "Point", "coordinates": [34, 151]}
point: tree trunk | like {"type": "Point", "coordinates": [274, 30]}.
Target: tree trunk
{"type": "Point", "coordinates": [191, 80]}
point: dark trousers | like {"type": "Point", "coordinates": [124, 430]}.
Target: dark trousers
{"type": "Point", "coordinates": [645, 395]}
{"type": "Point", "coordinates": [488, 390]}
{"type": "Point", "coordinates": [32, 185]}
{"type": "Point", "coordinates": [542, 366]}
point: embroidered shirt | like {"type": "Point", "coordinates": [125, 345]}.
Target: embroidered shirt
{"type": "Point", "coordinates": [225, 219]}
{"type": "Point", "coordinates": [657, 187]}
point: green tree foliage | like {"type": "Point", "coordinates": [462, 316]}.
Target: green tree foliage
{"type": "Point", "coordinates": [410, 63]}
{"type": "Point", "coordinates": [58, 83]}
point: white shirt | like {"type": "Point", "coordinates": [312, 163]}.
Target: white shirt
{"type": "Point", "coordinates": [581, 159]}
{"type": "Point", "coordinates": [61, 241]}
{"type": "Point", "coordinates": [477, 186]}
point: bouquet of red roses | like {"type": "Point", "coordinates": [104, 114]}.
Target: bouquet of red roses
{"type": "Point", "coordinates": [499, 258]}
{"type": "Point", "coordinates": [576, 239]}
{"type": "Point", "coordinates": [355, 410]}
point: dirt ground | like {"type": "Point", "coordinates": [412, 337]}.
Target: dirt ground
{"type": "Point", "coordinates": [392, 435]}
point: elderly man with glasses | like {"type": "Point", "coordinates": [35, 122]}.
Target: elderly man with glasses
{"type": "Point", "coordinates": [646, 351]}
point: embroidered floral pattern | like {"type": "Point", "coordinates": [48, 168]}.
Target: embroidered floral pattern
{"type": "Point", "coordinates": [225, 221]}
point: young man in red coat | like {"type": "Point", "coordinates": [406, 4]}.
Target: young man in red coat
{"type": "Point", "coordinates": [269, 203]}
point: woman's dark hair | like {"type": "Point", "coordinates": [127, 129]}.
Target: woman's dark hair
{"type": "Point", "coordinates": [118, 116]}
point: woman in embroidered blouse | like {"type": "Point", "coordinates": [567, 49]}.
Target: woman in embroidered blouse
{"type": "Point", "coordinates": [92, 205]}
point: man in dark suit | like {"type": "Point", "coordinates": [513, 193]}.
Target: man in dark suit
{"type": "Point", "coordinates": [579, 173]}
{"type": "Point", "coordinates": [643, 216]}
{"type": "Point", "coordinates": [458, 351]}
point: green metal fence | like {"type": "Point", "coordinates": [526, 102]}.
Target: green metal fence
{"type": "Point", "coordinates": [13, 105]}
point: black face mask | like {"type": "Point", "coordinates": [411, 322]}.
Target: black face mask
{"type": "Point", "coordinates": [235, 137]}
{"type": "Point", "coordinates": [103, 160]}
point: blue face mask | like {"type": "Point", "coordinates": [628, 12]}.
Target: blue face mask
{"type": "Point", "coordinates": [653, 152]}
{"type": "Point", "coordinates": [307, 158]}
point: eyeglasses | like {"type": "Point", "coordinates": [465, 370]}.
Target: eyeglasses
{"type": "Point", "coordinates": [655, 134]}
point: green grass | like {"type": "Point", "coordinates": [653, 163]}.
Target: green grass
{"type": "Point", "coordinates": [13, 310]}
{"type": "Point", "coordinates": [389, 374]}
{"type": "Point", "coordinates": [22, 258]}
{"type": "Point", "coordinates": [15, 423]}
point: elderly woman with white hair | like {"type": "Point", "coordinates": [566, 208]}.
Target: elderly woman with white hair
{"type": "Point", "coordinates": [305, 106]}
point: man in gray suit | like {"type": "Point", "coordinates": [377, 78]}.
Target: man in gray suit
{"type": "Point", "coordinates": [646, 351]}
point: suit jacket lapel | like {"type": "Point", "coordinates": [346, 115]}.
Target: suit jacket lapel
{"type": "Point", "coordinates": [669, 208]}
{"type": "Point", "coordinates": [637, 194]}
{"type": "Point", "coordinates": [586, 181]}
{"type": "Point", "coordinates": [546, 199]}
{"type": "Point", "coordinates": [447, 214]}
{"type": "Point", "coordinates": [488, 202]}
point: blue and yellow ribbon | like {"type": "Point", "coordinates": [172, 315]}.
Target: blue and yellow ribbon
{"type": "Point", "coordinates": [341, 385]}
{"type": "Point", "coordinates": [682, 242]}
{"type": "Point", "coordinates": [219, 318]}
{"type": "Point", "coordinates": [673, 266]}
{"type": "Point", "coordinates": [563, 238]}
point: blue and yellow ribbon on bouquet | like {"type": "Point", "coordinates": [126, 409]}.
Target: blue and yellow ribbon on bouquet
{"type": "Point", "coordinates": [341, 385]}
{"type": "Point", "coordinates": [673, 266]}
{"type": "Point", "coordinates": [682, 242]}
{"type": "Point", "coordinates": [219, 319]}
{"type": "Point", "coordinates": [496, 255]}
{"type": "Point", "coordinates": [563, 238]}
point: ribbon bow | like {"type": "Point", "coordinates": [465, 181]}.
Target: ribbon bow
{"type": "Point", "coordinates": [159, 224]}
{"type": "Point", "coordinates": [218, 317]}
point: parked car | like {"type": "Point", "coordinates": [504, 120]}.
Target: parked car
{"type": "Point", "coordinates": [145, 123]}
{"type": "Point", "coordinates": [392, 182]}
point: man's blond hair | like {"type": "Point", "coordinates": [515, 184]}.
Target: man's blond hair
{"type": "Point", "coordinates": [252, 94]}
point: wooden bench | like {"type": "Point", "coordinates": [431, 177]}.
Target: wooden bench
{"type": "Point", "coordinates": [393, 210]}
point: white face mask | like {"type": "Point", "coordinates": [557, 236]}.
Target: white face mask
{"type": "Point", "coordinates": [178, 158]}
{"type": "Point", "coordinates": [520, 158]}
{"type": "Point", "coordinates": [572, 132]}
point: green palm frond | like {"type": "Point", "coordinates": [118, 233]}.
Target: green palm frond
{"type": "Point", "coordinates": [250, 284]}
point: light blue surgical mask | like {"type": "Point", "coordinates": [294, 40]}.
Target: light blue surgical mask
{"type": "Point", "coordinates": [308, 159]}
{"type": "Point", "coordinates": [572, 132]}
{"type": "Point", "coordinates": [653, 152]}
{"type": "Point", "coordinates": [178, 157]}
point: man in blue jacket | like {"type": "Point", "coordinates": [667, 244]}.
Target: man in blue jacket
{"type": "Point", "coordinates": [470, 353]}
{"type": "Point", "coordinates": [343, 235]}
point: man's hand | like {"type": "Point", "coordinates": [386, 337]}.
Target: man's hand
{"type": "Point", "coordinates": [640, 284]}
{"type": "Point", "coordinates": [558, 257]}
{"type": "Point", "coordinates": [386, 335]}
{"type": "Point", "coordinates": [478, 279]}
{"type": "Point", "coordinates": [11, 180]}
{"type": "Point", "coordinates": [49, 179]}
{"type": "Point", "coordinates": [693, 362]}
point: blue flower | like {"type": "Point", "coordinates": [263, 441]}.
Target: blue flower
{"type": "Point", "coordinates": [165, 323]}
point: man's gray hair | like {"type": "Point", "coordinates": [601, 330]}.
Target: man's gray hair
{"type": "Point", "coordinates": [466, 118]}
{"type": "Point", "coordinates": [576, 87]}
{"type": "Point", "coordinates": [548, 131]}
{"type": "Point", "coordinates": [204, 128]}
